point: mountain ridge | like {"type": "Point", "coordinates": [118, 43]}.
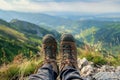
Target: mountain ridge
{"type": "Point", "coordinates": [20, 37]}
{"type": "Point", "coordinates": [75, 27]}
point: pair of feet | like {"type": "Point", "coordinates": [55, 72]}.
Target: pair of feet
{"type": "Point", "coordinates": [68, 51]}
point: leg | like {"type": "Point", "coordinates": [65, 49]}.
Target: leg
{"type": "Point", "coordinates": [69, 67]}
{"type": "Point", "coordinates": [44, 73]}
{"type": "Point", "coordinates": [49, 71]}
{"type": "Point", "coordinates": [70, 73]}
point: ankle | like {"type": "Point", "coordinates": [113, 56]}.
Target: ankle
{"type": "Point", "coordinates": [55, 67]}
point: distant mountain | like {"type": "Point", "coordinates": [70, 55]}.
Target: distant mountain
{"type": "Point", "coordinates": [28, 28]}
{"type": "Point", "coordinates": [36, 18]}
{"type": "Point", "coordinates": [20, 37]}
{"type": "Point", "coordinates": [109, 34]}
{"type": "Point", "coordinates": [106, 32]}
{"type": "Point", "coordinates": [61, 22]}
{"type": "Point", "coordinates": [99, 25]}
{"type": "Point", "coordinates": [83, 16]}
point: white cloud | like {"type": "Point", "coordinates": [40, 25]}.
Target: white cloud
{"type": "Point", "coordinates": [5, 5]}
{"type": "Point", "coordinates": [105, 6]}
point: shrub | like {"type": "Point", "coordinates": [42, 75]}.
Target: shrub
{"type": "Point", "coordinates": [15, 71]}
{"type": "Point", "coordinates": [99, 59]}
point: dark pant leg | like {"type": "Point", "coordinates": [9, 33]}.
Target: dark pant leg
{"type": "Point", "coordinates": [70, 73]}
{"type": "Point", "coordinates": [44, 73]}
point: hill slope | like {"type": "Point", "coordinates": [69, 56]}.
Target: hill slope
{"type": "Point", "coordinates": [86, 30]}
{"type": "Point", "coordinates": [20, 37]}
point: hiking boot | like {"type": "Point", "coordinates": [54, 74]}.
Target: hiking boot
{"type": "Point", "coordinates": [49, 48]}
{"type": "Point", "coordinates": [68, 51]}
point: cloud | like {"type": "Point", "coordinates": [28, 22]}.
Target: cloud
{"type": "Point", "coordinates": [76, 6]}
{"type": "Point", "coordinates": [74, 0]}
{"type": "Point", "coordinates": [41, 0]}
{"type": "Point", "coordinates": [5, 5]}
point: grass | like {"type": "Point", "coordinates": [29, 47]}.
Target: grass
{"type": "Point", "coordinates": [98, 58]}
{"type": "Point", "coordinates": [85, 33]}
{"type": "Point", "coordinates": [14, 33]}
{"type": "Point", "coordinates": [19, 69]}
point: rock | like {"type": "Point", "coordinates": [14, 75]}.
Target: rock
{"type": "Point", "coordinates": [104, 68]}
{"type": "Point", "coordinates": [79, 63]}
{"type": "Point", "coordinates": [107, 76]}
{"type": "Point", "coordinates": [107, 68]}
{"type": "Point", "coordinates": [87, 78]}
{"type": "Point", "coordinates": [118, 69]}
{"type": "Point", "coordinates": [82, 62]}
{"type": "Point", "coordinates": [87, 70]}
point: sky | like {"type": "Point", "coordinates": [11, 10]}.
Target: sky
{"type": "Point", "coordinates": [68, 6]}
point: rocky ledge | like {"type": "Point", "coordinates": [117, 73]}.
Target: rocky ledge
{"type": "Point", "coordinates": [105, 72]}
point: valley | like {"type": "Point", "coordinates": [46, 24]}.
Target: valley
{"type": "Point", "coordinates": [25, 31]}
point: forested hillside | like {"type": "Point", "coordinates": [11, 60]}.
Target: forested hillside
{"type": "Point", "coordinates": [20, 37]}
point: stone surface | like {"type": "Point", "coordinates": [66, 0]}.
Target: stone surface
{"type": "Point", "coordinates": [118, 68]}
{"type": "Point", "coordinates": [87, 70]}
{"type": "Point", "coordinates": [82, 62]}
{"type": "Point", "coordinates": [107, 76]}
{"type": "Point", "coordinates": [105, 72]}
{"type": "Point", "coordinates": [107, 68]}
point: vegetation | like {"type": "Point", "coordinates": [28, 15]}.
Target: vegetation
{"type": "Point", "coordinates": [19, 37]}
{"type": "Point", "coordinates": [8, 32]}
{"type": "Point", "coordinates": [100, 59]}
{"type": "Point", "coordinates": [20, 43]}
{"type": "Point", "coordinates": [87, 35]}
{"type": "Point", "coordinates": [20, 68]}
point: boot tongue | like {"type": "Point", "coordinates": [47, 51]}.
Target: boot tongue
{"type": "Point", "coordinates": [67, 51]}
{"type": "Point", "coordinates": [48, 51]}
{"type": "Point", "coordinates": [67, 48]}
